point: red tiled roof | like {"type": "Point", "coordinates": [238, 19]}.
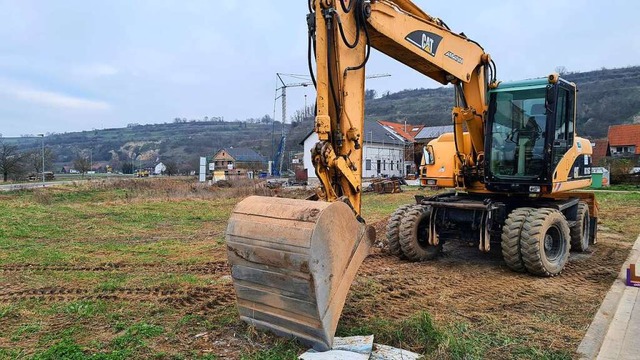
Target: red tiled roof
{"type": "Point", "coordinates": [600, 150]}
{"type": "Point", "coordinates": [409, 135]}
{"type": "Point", "coordinates": [621, 135]}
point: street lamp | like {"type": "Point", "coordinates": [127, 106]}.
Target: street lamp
{"type": "Point", "coordinates": [42, 136]}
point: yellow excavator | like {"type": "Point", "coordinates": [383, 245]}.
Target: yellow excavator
{"type": "Point", "coordinates": [510, 161]}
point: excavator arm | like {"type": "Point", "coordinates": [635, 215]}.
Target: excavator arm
{"type": "Point", "coordinates": [344, 32]}
{"type": "Point", "coordinates": [293, 260]}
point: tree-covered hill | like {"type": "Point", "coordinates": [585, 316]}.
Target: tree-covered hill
{"type": "Point", "coordinates": [181, 142]}
{"type": "Point", "coordinates": [606, 97]}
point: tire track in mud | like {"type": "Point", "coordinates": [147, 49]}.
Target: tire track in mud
{"type": "Point", "coordinates": [483, 285]}
{"type": "Point", "coordinates": [200, 297]}
{"type": "Point", "coordinates": [211, 268]}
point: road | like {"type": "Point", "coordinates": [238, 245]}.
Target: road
{"type": "Point", "coordinates": [33, 185]}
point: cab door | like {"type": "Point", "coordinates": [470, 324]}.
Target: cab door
{"type": "Point", "coordinates": [562, 133]}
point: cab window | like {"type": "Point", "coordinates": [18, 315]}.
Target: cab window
{"type": "Point", "coordinates": [564, 129]}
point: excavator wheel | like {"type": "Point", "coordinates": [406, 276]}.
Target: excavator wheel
{"type": "Point", "coordinates": [414, 233]}
{"type": "Point", "coordinates": [393, 230]}
{"type": "Point", "coordinates": [510, 240]}
{"type": "Point", "coordinates": [292, 263]}
{"type": "Point", "coordinates": [580, 232]}
{"type": "Point", "coordinates": [545, 242]}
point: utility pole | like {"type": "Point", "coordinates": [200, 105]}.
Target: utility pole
{"type": "Point", "coordinates": [42, 136]}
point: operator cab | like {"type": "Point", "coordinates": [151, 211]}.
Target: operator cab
{"type": "Point", "coordinates": [531, 126]}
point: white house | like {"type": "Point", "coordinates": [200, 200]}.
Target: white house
{"type": "Point", "coordinates": [383, 152]}
{"type": "Point", "coordinates": [159, 169]}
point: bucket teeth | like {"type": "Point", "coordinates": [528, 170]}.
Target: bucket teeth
{"type": "Point", "coordinates": [292, 263]}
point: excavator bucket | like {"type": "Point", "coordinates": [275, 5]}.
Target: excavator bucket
{"type": "Point", "coordinates": [292, 263]}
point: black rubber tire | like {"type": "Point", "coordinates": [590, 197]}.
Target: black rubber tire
{"type": "Point", "coordinates": [510, 239]}
{"type": "Point", "coordinates": [545, 242]}
{"type": "Point", "coordinates": [393, 230]}
{"type": "Point", "coordinates": [581, 231]}
{"type": "Point", "coordinates": [414, 230]}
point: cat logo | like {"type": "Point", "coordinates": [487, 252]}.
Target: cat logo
{"type": "Point", "coordinates": [426, 41]}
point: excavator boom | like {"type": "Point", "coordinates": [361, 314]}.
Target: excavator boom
{"type": "Point", "coordinates": [293, 260]}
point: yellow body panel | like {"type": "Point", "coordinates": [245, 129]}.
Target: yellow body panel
{"type": "Point", "coordinates": [565, 166]}
{"type": "Point", "coordinates": [443, 168]}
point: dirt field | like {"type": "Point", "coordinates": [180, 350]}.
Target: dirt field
{"type": "Point", "coordinates": [119, 270]}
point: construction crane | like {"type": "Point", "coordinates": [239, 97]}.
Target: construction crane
{"type": "Point", "coordinates": [278, 158]}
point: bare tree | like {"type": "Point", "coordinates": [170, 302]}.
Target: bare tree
{"type": "Point", "coordinates": [370, 94]}
{"type": "Point", "coordinates": [171, 168]}
{"type": "Point", "coordinates": [33, 159]}
{"type": "Point", "coordinates": [10, 160]}
{"type": "Point", "coordinates": [303, 114]}
{"type": "Point", "coordinates": [82, 163]}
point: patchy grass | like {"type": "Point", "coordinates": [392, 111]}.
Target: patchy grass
{"type": "Point", "coordinates": [286, 350]}
{"type": "Point", "coordinates": [135, 269]}
{"type": "Point", "coordinates": [456, 341]}
{"type": "Point", "coordinates": [620, 187]}
{"type": "Point", "coordinates": [619, 212]}
{"type": "Point", "coordinates": [106, 260]}
{"type": "Point", "coordinates": [376, 207]}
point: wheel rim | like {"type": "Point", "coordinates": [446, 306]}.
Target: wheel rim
{"type": "Point", "coordinates": [553, 243]}
{"type": "Point", "coordinates": [423, 233]}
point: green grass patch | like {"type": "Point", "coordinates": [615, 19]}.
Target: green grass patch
{"type": "Point", "coordinates": [85, 308]}
{"type": "Point", "coordinates": [285, 350]}
{"type": "Point", "coordinates": [76, 309]}
{"type": "Point", "coordinates": [65, 349]}
{"type": "Point", "coordinates": [621, 187]}
{"type": "Point", "coordinates": [418, 332]}
{"type": "Point", "coordinates": [131, 344]}
{"type": "Point", "coordinates": [115, 281]}
{"type": "Point", "coordinates": [457, 341]}
{"type": "Point", "coordinates": [25, 331]}
{"type": "Point", "coordinates": [6, 310]}
{"type": "Point", "coordinates": [619, 212]}
{"type": "Point", "coordinates": [376, 207]}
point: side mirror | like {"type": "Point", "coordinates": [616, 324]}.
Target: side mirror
{"type": "Point", "coordinates": [550, 98]}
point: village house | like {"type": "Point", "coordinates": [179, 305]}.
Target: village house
{"type": "Point", "coordinates": [624, 140]}
{"type": "Point", "coordinates": [238, 160]}
{"type": "Point", "coordinates": [383, 152]}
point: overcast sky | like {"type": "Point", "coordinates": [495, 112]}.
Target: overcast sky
{"type": "Point", "coordinates": [68, 65]}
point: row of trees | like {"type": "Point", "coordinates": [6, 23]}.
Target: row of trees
{"type": "Point", "coordinates": [15, 164]}
{"type": "Point", "coordinates": [183, 120]}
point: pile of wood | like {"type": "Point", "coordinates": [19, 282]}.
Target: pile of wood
{"type": "Point", "coordinates": [385, 186]}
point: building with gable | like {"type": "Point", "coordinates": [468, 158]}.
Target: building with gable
{"type": "Point", "coordinates": [232, 158]}
{"type": "Point", "coordinates": [383, 152]}
{"type": "Point", "coordinates": [624, 140]}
